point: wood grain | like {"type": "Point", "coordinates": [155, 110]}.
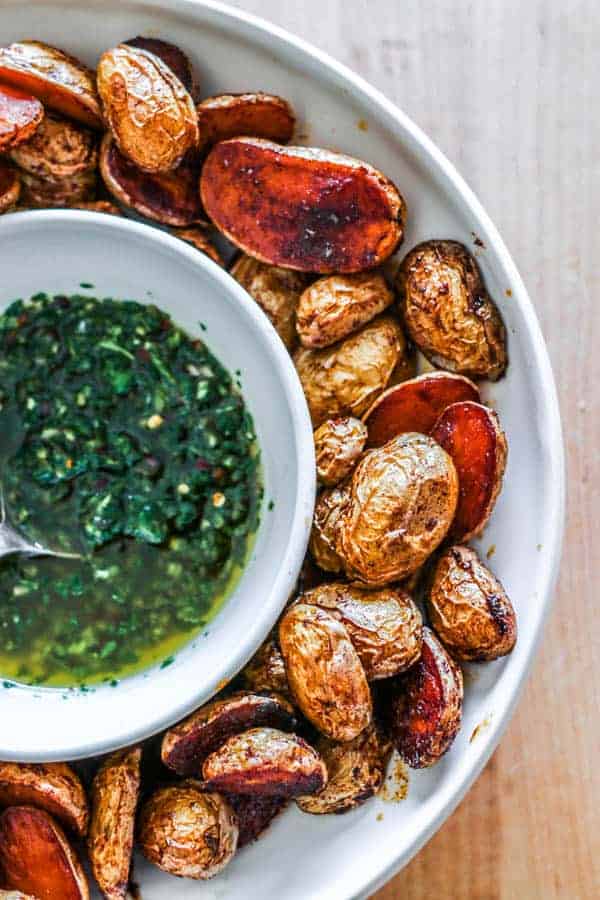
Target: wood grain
{"type": "Point", "coordinates": [509, 89]}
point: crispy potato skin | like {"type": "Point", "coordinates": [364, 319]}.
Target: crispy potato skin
{"type": "Point", "coordinates": [10, 187]}
{"type": "Point", "coordinates": [60, 81]}
{"type": "Point", "coordinates": [53, 787]}
{"type": "Point", "coordinates": [266, 670]}
{"type": "Point", "coordinates": [20, 115]}
{"type": "Point", "coordinates": [254, 814]}
{"type": "Point", "coordinates": [186, 745]}
{"type": "Point", "coordinates": [58, 149]}
{"type": "Point", "coordinates": [101, 206]}
{"type": "Point", "coordinates": [15, 895]}
{"type": "Point", "coordinates": [339, 444]}
{"type": "Point", "coordinates": [416, 405]}
{"type": "Point", "coordinates": [276, 291]}
{"type": "Point", "coordinates": [36, 858]}
{"type": "Point", "coordinates": [337, 305]}
{"type": "Point", "coordinates": [469, 609]}
{"type": "Point", "coordinates": [471, 434]}
{"type": "Point", "coordinates": [356, 772]}
{"type": "Point", "coordinates": [43, 193]}
{"type": "Point", "coordinates": [115, 792]}
{"type": "Point", "coordinates": [187, 832]}
{"type": "Point", "coordinates": [324, 671]}
{"type": "Point", "coordinates": [426, 707]}
{"type": "Point", "coordinates": [149, 112]}
{"type": "Point", "coordinates": [323, 537]}
{"type": "Point", "coordinates": [267, 762]}
{"type": "Point", "coordinates": [171, 55]}
{"type": "Point", "coordinates": [301, 207]}
{"type": "Point", "coordinates": [199, 239]}
{"type": "Point", "coordinates": [448, 312]}
{"type": "Point", "coordinates": [400, 503]}
{"type": "Point", "coordinates": [384, 625]}
{"type": "Point", "coordinates": [346, 378]}
{"type": "Point", "coordinates": [256, 115]}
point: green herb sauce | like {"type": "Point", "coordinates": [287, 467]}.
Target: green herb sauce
{"type": "Point", "coordinates": [124, 440]}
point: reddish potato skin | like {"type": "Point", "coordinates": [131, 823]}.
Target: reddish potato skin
{"type": "Point", "coordinates": [301, 208]}
{"type": "Point", "coordinates": [171, 55]}
{"type": "Point", "coordinates": [199, 239]}
{"type": "Point", "coordinates": [10, 187]}
{"type": "Point", "coordinates": [20, 115]}
{"type": "Point", "coordinates": [254, 814]}
{"type": "Point", "coordinates": [53, 787]}
{"type": "Point", "coordinates": [470, 433]}
{"type": "Point", "coordinates": [425, 711]}
{"type": "Point", "coordinates": [256, 115]}
{"type": "Point", "coordinates": [416, 405]}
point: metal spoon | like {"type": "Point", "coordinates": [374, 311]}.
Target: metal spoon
{"type": "Point", "coordinates": [11, 542]}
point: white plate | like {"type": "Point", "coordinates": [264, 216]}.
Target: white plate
{"type": "Point", "coordinates": [305, 857]}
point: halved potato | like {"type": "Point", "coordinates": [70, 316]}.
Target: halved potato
{"type": "Point", "coordinates": [10, 186]}
{"type": "Point", "coordinates": [58, 149]}
{"type": "Point", "coordinates": [43, 193]}
{"type": "Point", "coordinates": [199, 239]}
{"type": "Point", "coordinates": [256, 115]}
{"type": "Point", "coordinates": [171, 55]}
{"type": "Point", "coordinates": [254, 814]}
{"type": "Point", "coordinates": [53, 787]}
{"type": "Point", "coordinates": [266, 670]}
{"type": "Point", "coordinates": [301, 207]}
{"type": "Point", "coordinates": [339, 444]}
{"type": "Point", "coordinates": [101, 206]}
{"type": "Point", "coordinates": [60, 81]}
{"type": "Point", "coordinates": [15, 895]}
{"type": "Point", "coordinates": [20, 115]}
{"type": "Point", "coordinates": [335, 306]}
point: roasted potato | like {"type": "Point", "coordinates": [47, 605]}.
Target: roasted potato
{"type": "Point", "coordinates": [101, 206]}
{"type": "Point", "coordinates": [469, 609]}
{"type": "Point", "coordinates": [10, 187]}
{"type": "Point", "coordinates": [346, 378]}
{"type": "Point", "coordinates": [199, 239]}
{"type": "Point", "coordinates": [276, 291]}
{"type": "Point", "coordinates": [323, 537]}
{"type": "Point", "coordinates": [20, 116]}
{"type": "Point", "coordinates": [265, 761]}
{"type": "Point", "coordinates": [256, 115]}
{"type": "Point", "coordinates": [384, 625]}
{"type": "Point", "coordinates": [356, 772]}
{"type": "Point", "coordinates": [254, 814]}
{"type": "Point", "coordinates": [149, 112]}
{"type": "Point", "coordinates": [416, 405]}
{"type": "Point", "coordinates": [172, 56]}
{"type": "Point", "coordinates": [43, 193]}
{"type": "Point", "coordinates": [335, 306]}
{"type": "Point", "coordinates": [400, 503]}
{"type": "Point", "coordinates": [53, 787]}
{"type": "Point", "coordinates": [187, 832]}
{"type": "Point", "coordinates": [425, 708]}
{"type": "Point", "coordinates": [115, 792]}
{"type": "Point", "coordinates": [324, 671]}
{"type": "Point", "coordinates": [448, 312]}
{"type": "Point", "coordinates": [186, 745]}
{"type": "Point", "coordinates": [266, 670]}
{"type": "Point", "coordinates": [339, 444]}
{"type": "Point", "coordinates": [59, 149]}
{"type": "Point", "coordinates": [15, 895]}
{"type": "Point", "coordinates": [301, 207]}
{"type": "Point", "coordinates": [471, 434]}
{"type": "Point", "coordinates": [36, 858]}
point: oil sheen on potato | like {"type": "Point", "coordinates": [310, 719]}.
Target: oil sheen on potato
{"type": "Point", "coordinates": [124, 440]}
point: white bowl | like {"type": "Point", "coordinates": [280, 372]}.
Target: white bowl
{"type": "Point", "coordinates": [55, 251]}
{"type": "Point", "coordinates": [303, 857]}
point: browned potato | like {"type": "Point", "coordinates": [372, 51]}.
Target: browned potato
{"type": "Point", "coordinates": [10, 187]}
{"type": "Point", "coordinates": [199, 239]}
{"type": "Point", "coordinates": [150, 113]}
{"type": "Point", "coordinates": [323, 537]}
{"type": "Point", "coordinates": [53, 787]}
{"type": "Point", "coordinates": [172, 57]}
{"type": "Point", "coordinates": [43, 193]}
{"type": "Point", "coordinates": [265, 761]}
{"type": "Point", "coordinates": [115, 793]}
{"type": "Point", "coordinates": [325, 673]}
{"type": "Point", "coordinates": [258, 115]}
{"type": "Point", "coordinates": [339, 444]}
{"type": "Point", "coordinates": [469, 609]}
{"type": "Point", "coordinates": [276, 291]}
{"type": "Point", "coordinates": [448, 312]}
{"type": "Point", "coordinates": [254, 814]}
{"type": "Point", "coordinates": [60, 81]}
{"type": "Point", "coordinates": [59, 149]}
{"type": "Point", "coordinates": [186, 745]}
{"type": "Point", "coordinates": [356, 772]}
{"type": "Point", "coordinates": [15, 895]}
{"type": "Point", "coordinates": [187, 832]}
{"type": "Point", "coordinates": [266, 670]}
{"type": "Point", "coordinates": [384, 626]}
{"type": "Point", "coordinates": [425, 711]}
{"type": "Point", "coordinates": [401, 502]}
{"type": "Point", "coordinates": [346, 378]}
{"type": "Point", "coordinates": [334, 306]}
{"type": "Point", "coordinates": [20, 115]}
{"type": "Point", "coordinates": [101, 206]}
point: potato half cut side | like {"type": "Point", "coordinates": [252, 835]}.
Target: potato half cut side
{"type": "Point", "coordinates": [255, 115]}
{"type": "Point", "coordinates": [53, 787]}
{"type": "Point", "coordinates": [20, 115]}
{"type": "Point", "coordinates": [171, 55]}
{"type": "Point", "coordinates": [254, 814]}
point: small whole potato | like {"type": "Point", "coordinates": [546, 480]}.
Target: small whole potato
{"type": "Point", "coordinates": [10, 186]}
{"type": "Point", "coordinates": [335, 306]}
{"type": "Point", "coordinates": [58, 149]}
{"type": "Point", "coordinates": [43, 193]}
{"type": "Point", "coordinates": [384, 625]}
{"type": "Point", "coordinates": [401, 501]}
{"type": "Point", "coordinates": [469, 609]}
{"type": "Point", "coordinates": [338, 447]}
{"type": "Point", "coordinates": [448, 313]}
{"type": "Point", "coordinates": [346, 378]}
{"type": "Point", "coordinates": [323, 536]}
{"type": "Point", "coordinates": [187, 832]}
{"type": "Point", "coordinates": [266, 670]}
{"type": "Point", "coordinates": [325, 673]}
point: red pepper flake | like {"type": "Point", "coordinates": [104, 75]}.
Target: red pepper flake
{"type": "Point", "coordinates": [143, 355]}
{"type": "Point", "coordinates": [165, 325]}
{"type": "Point", "coordinates": [201, 465]}
{"type": "Point", "coordinates": [22, 319]}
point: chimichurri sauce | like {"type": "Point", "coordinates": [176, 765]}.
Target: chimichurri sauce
{"type": "Point", "coordinates": [124, 440]}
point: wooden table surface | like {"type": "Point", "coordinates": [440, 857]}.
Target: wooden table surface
{"type": "Point", "coordinates": [510, 90]}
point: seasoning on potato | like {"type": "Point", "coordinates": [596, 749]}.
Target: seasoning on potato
{"type": "Point", "coordinates": [10, 186]}
{"type": "Point", "coordinates": [149, 112]}
{"type": "Point", "coordinates": [171, 55]}
{"type": "Point", "coordinates": [44, 193]}
{"type": "Point", "coordinates": [469, 609]}
{"type": "Point", "coordinates": [59, 149]}
{"type": "Point", "coordinates": [323, 537]}
{"type": "Point", "coordinates": [339, 444]}
{"type": "Point", "coordinates": [345, 379]}
{"type": "Point", "coordinates": [256, 115]}
{"type": "Point", "coordinates": [324, 671]}
{"type": "Point", "coordinates": [115, 793]}
{"type": "Point", "coordinates": [187, 832]}
{"type": "Point", "coordinates": [384, 625]}
{"type": "Point", "coordinates": [266, 670]}
{"type": "Point", "coordinates": [53, 787]}
{"type": "Point", "coordinates": [20, 116]}
{"type": "Point", "coordinates": [448, 312]}
{"type": "Point", "coordinates": [301, 207]}
{"type": "Point", "coordinates": [199, 239]}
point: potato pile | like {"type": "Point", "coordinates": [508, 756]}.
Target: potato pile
{"type": "Point", "coordinates": [409, 465]}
